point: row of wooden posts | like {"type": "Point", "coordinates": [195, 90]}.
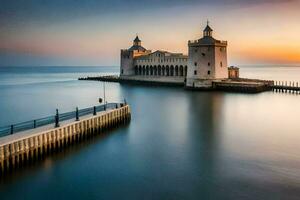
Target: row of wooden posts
{"type": "Point", "coordinates": [19, 151]}
{"type": "Point", "coordinates": [286, 86]}
{"type": "Point", "coordinates": [286, 83]}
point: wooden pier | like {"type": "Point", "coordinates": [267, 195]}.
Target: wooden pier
{"type": "Point", "coordinates": [20, 148]}
{"type": "Point", "coordinates": [285, 86]}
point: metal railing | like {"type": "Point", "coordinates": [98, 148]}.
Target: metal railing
{"type": "Point", "coordinates": [55, 119]}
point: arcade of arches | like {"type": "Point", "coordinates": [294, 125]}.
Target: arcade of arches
{"type": "Point", "coordinates": [159, 70]}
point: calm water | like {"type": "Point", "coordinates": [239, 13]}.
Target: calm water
{"type": "Point", "coordinates": [179, 144]}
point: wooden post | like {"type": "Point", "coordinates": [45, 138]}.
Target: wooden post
{"type": "Point", "coordinates": [26, 148]}
{"type": "Point", "coordinates": [12, 154]}
{"type": "Point", "coordinates": [2, 160]}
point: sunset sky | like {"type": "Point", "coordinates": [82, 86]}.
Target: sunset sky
{"type": "Point", "coordinates": [92, 32]}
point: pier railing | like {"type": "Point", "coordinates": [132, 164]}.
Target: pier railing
{"type": "Point", "coordinates": [55, 119]}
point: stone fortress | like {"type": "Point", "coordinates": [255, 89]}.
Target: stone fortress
{"type": "Point", "coordinates": [204, 68]}
{"type": "Point", "coordinates": [206, 62]}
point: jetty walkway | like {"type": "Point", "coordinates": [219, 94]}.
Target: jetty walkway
{"type": "Point", "coordinates": [243, 85]}
{"type": "Point", "coordinates": [32, 140]}
{"type": "Point", "coordinates": [142, 80]}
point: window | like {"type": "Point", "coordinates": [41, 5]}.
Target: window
{"type": "Point", "coordinates": [195, 63]}
{"type": "Point", "coordinates": [203, 54]}
{"type": "Point", "coordinates": [221, 64]}
{"type": "Point", "coordinates": [122, 71]}
{"type": "Point", "coordinates": [195, 72]}
{"type": "Point", "coordinates": [208, 64]}
{"type": "Point", "coordinates": [208, 72]}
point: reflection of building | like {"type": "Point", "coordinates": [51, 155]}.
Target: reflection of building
{"type": "Point", "coordinates": [233, 72]}
{"type": "Point", "coordinates": [207, 61]}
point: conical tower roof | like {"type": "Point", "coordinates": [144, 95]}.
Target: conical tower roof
{"type": "Point", "coordinates": [208, 29]}
{"type": "Point", "coordinates": [137, 39]}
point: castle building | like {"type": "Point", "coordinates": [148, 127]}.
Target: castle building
{"type": "Point", "coordinates": [206, 61]}
{"type": "Point", "coordinates": [129, 56]}
{"type": "Point", "coordinates": [137, 61]}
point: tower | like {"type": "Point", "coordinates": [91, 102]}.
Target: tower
{"type": "Point", "coordinates": [137, 41]}
{"type": "Point", "coordinates": [207, 60]}
{"type": "Point", "coordinates": [128, 55]}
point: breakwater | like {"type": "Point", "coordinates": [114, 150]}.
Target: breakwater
{"type": "Point", "coordinates": [141, 80]}
{"type": "Point", "coordinates": [242, 85]}
{"type": "Point", "coordinates": [21, 148]}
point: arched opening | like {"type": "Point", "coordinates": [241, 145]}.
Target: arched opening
{"type": "Point", "coordinates": [176, 70]}
{"type": "Point", "coordinates": [144, 70]}
{"type": "Point", "coordinates": [159, 70]}
{"type": "Point", "coordinates": [163, 71]}
{"type": "Point", "coordinates": [185, 70]}
{"type": "Point", "coordinates": [140, 70]}
{"type": "Point", "coordinates": [167, 71]}
{"type": "Point", "coordinates": [172, 70]}
{"type": "Point", "coordinates": [147, 70]}
{"type": "Point", "coordinates": [181, 70]}
{"type": "Point", "coordinates": [151, 70]}
{"type": "Point", "coordinates": [136, 70]}
{"type": "Point", "coordinates": [155, 70]}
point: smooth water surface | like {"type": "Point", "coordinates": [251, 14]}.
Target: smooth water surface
{"type": "Point", "coordinates": [179, 144]}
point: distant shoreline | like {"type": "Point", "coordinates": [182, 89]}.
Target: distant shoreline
{"type": "Point", "coordinates": [241, 66]}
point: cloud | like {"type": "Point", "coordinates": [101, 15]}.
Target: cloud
{"type": "Point", "coordinates": [22, 10]}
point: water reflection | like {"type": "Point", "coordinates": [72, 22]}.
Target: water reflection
{"type": "Point", "coordinates": [179, 145]}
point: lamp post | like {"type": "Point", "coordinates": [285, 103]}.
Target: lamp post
{"type": "Point", "coordinates": [104, 97]}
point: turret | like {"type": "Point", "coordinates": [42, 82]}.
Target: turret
{"type": "Point", "coordinates": [207, 32]}
{"type": "Point", "coordinates": [137, 41]}
{"type": "Point", "coordinates": [128, 56]}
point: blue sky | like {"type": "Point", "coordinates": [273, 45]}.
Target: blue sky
{"type": "Point", "coordinates": [91, 32]}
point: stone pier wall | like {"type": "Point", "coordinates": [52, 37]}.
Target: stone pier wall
{"type": "Point", "coordinates": [19, 151]}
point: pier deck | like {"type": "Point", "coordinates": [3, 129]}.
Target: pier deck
{"type": "Point", "coordinates": [36, 131]}
{"type": "Point", "coordinates": [32, 144]}
{"type": "Point", "coordinates": [231, 85]}
{"type": "Point", "coordinates": [153, 80]}
{"type": "Point", "coordinates": [243, 85]}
